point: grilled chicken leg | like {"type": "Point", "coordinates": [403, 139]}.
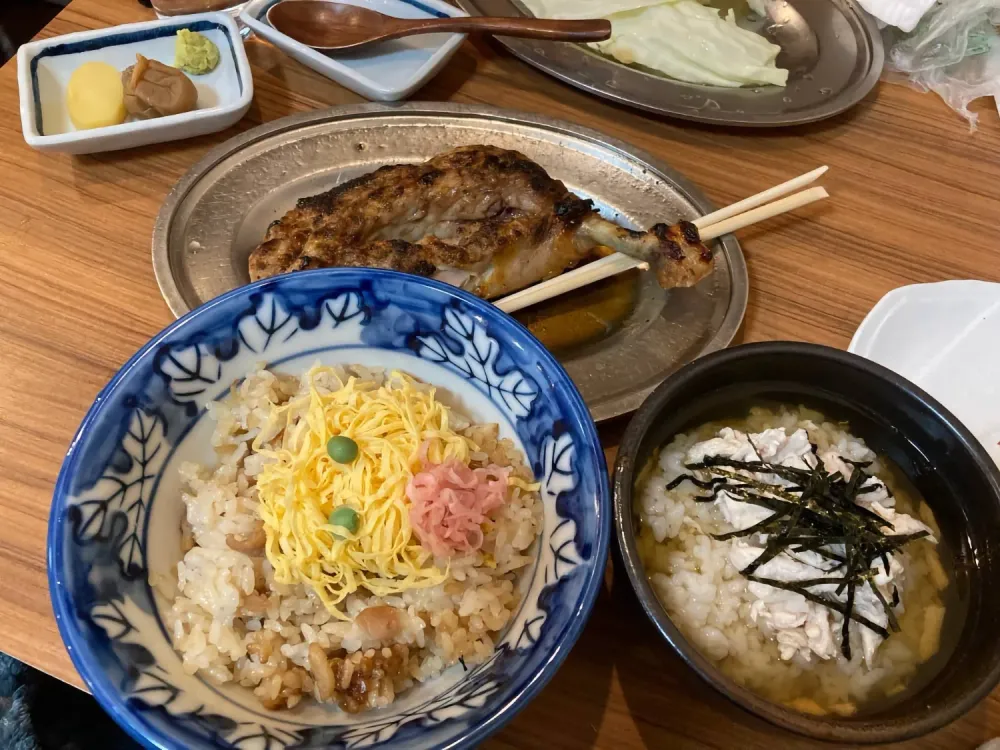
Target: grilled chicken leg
{"type": "Point", "coordinates": [488, 220]}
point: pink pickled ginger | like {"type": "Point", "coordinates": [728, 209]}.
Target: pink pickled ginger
{"type": "Point", "coordinates": [449, 502]}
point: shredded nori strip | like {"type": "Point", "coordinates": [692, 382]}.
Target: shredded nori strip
{"type": "Point", "coordinates": [893, 622]}
{"type": "Point", "coordinates": [812, 512]}
{"type": "Point", "coordinates": [845, 630]}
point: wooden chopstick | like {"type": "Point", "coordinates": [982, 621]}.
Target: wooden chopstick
{"type": "Point", "coordinates": [610, 265]}
{"type": "Point", "coordinates": [710, 226]}
{"type": "Point", "coordinates": [617, 263]}
{"type": "Point", "coordinates": [761, 213]}
{"type": "Point", "coordinates": [765, 196]}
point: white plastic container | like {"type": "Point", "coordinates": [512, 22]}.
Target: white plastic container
{"type": "Point", "coordinates": [944, 337]}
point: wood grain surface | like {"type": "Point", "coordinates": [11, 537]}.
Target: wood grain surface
{"type": "Point", "coordinates": [916, 198]}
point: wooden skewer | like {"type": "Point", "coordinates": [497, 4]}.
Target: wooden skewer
{"type": "Point", "coordinates": [765, 196]}
{"type": "Point", "coordinates": [610, 265]}
{"type": "Point", "coordinates": [619, 263]}
{"type": "Point", "coordinates": [767, 211]}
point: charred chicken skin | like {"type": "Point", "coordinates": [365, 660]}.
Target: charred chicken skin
{"type": "Point", "coordinates": [482, 218]}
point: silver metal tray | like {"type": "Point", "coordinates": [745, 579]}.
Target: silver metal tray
{"type": "Point", "coordinates": [848, 67]}
{"type": "Point", "coordinates": [218, 212]}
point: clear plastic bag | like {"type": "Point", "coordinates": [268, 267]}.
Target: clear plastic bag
{"type": "Point", "coordinates": [903, 14]}
{"type": "Point", "coordinates": [954, 51]}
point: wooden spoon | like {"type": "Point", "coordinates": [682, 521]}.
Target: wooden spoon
{"type": "Point", "coordinates": [327, 25]}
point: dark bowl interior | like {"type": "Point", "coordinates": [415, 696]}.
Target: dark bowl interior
{"type": "Point", "coordinates": [933, 449]}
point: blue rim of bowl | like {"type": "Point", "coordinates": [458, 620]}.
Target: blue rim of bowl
{"type": "Point", "coordinates": [111, 698]}
{"type": "Point", "coordinates": [803, 725]}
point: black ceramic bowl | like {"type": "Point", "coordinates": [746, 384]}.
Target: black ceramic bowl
{"type": "Point", "coordinates": [937, 453]}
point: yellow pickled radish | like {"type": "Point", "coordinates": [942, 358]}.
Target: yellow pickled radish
{"type": "Point", "coordinates": [95, 96]}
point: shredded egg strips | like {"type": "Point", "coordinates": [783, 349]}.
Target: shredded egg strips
{"type": "Point", "coordinates": [300, 486]}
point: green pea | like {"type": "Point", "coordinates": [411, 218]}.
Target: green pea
{"type": "Point", "coordinates": [342, 449]}
{"type": "Point", "coordinates": [346, 517]}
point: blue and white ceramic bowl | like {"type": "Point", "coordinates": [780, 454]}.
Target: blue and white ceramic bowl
{"type": "Point", "coordinates": [117, 508]}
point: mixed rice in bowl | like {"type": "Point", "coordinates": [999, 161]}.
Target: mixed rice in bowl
{"type": "Point", "coordinates": [234, 620]}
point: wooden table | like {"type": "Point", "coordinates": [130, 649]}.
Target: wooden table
{"type": "Point", "coordinates": [916, 198]}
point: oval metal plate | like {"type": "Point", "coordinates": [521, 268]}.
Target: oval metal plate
{"type": "Point", "coordinates": [217, 214]}
{"type": "Point", "coordinates": [848, 67]}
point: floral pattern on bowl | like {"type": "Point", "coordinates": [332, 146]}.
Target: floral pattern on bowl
{"type": "Point", "coordinates": [116, 511]}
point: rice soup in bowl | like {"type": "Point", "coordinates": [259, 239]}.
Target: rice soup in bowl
{"type": "Point", "coordinates": [797, 560]}
{"type": "Point", "coordinates": [158, 506]}
{"type": "Point", "coordinates": [729, 485]}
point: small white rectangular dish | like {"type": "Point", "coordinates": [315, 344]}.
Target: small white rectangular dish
{"type": "Point", "coordinates": [44, 69]}
{"type": "Point", "coordinates": [945, 337]}
{"type": "Point", "coordinates": [388, 71]}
